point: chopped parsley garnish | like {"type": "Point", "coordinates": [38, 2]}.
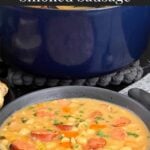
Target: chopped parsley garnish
{"type": "Point", "coordinates": [2, 137]}
{"type": "Point", "coordinates": [81, 111]}
{"type": "Point", "coordinates": [132, 134]}
{"type": "Point", "coordinates": [24, 120]}
{"type": "Point", "coordinates": [102, 134]}
{"type": "Point", "coordinates": [49, 130]}
{"type": "Point", "coordinates": [30, 107]}
{"type": "Point", "coordinates": [110, 116]}
{"type": "Point", "coordinates": [76, 146]}
{"type": "Point", "coordinates": [56, 112]}
{"type": "Point", "coordinates": [97, 119]}
{"type": "Point", "coordinates": [67, 116]}
{"type": "Point", "coordinates": [56, 122]}
{"type": "Point", "coordinates": [79, 119]}
{"type": "Point", "coordinates": [61, 137]}
{"type": "Point", "coordinates": [148, 137]}
{"type": "Point", "coordinates": [9, 123]}
{"type": "Point", "coordinates": [34, 114]}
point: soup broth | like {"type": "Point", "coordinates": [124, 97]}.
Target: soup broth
{"type": "Point", "coordinates": [74, 124]}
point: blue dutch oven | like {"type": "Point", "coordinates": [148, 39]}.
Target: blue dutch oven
{"type": "Point", "coordinates": [74, 43]}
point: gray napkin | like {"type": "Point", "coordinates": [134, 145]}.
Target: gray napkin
{"type": "Point", "coordinates": [144, 84]}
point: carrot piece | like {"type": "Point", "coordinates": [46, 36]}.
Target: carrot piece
{"type": "Point", "coordinates": [21, 145]}
{"type": "Point", "coordinates": [64, 127]}
{"type": "Point", "coordinates": [45, 136]}
{"type": "Point", "coordinates": [97, 126]}
{"type": "Point", "coordinates": [122, 121]}
{"type": "Point", "coordinates": [70, 133]}
{"type": "Point", "coordinates": [66, 144]}
{"type": "Point", "coordinates": [66, 109]}
{"type": "Point", "coordinates": [95, 144]}
{"type": "Point", "coordinates": [118, 134]}
{"type": "Point", "coordinates": [95, 114]}
{"type": "Point", "coordinates": [44, 113]}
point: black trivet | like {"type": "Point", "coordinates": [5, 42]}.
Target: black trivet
{"type": "Point", "coordinates": [127, 75]}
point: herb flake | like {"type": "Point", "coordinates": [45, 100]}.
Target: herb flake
{"type": "Point", "coordinates": [56, 122]}
{"type": "Point", "coordinates": [102, 134]}
{"type": "Point", "coordinates": [132, 134]}
{"type": "Point", "coordinates": [24, 120]}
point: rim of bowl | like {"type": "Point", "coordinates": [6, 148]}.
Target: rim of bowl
{"type": "Point", "coordinates": [103, 8]}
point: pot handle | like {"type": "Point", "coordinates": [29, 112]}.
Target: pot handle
{"type": "Point", "coordinates": [141, 96]}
